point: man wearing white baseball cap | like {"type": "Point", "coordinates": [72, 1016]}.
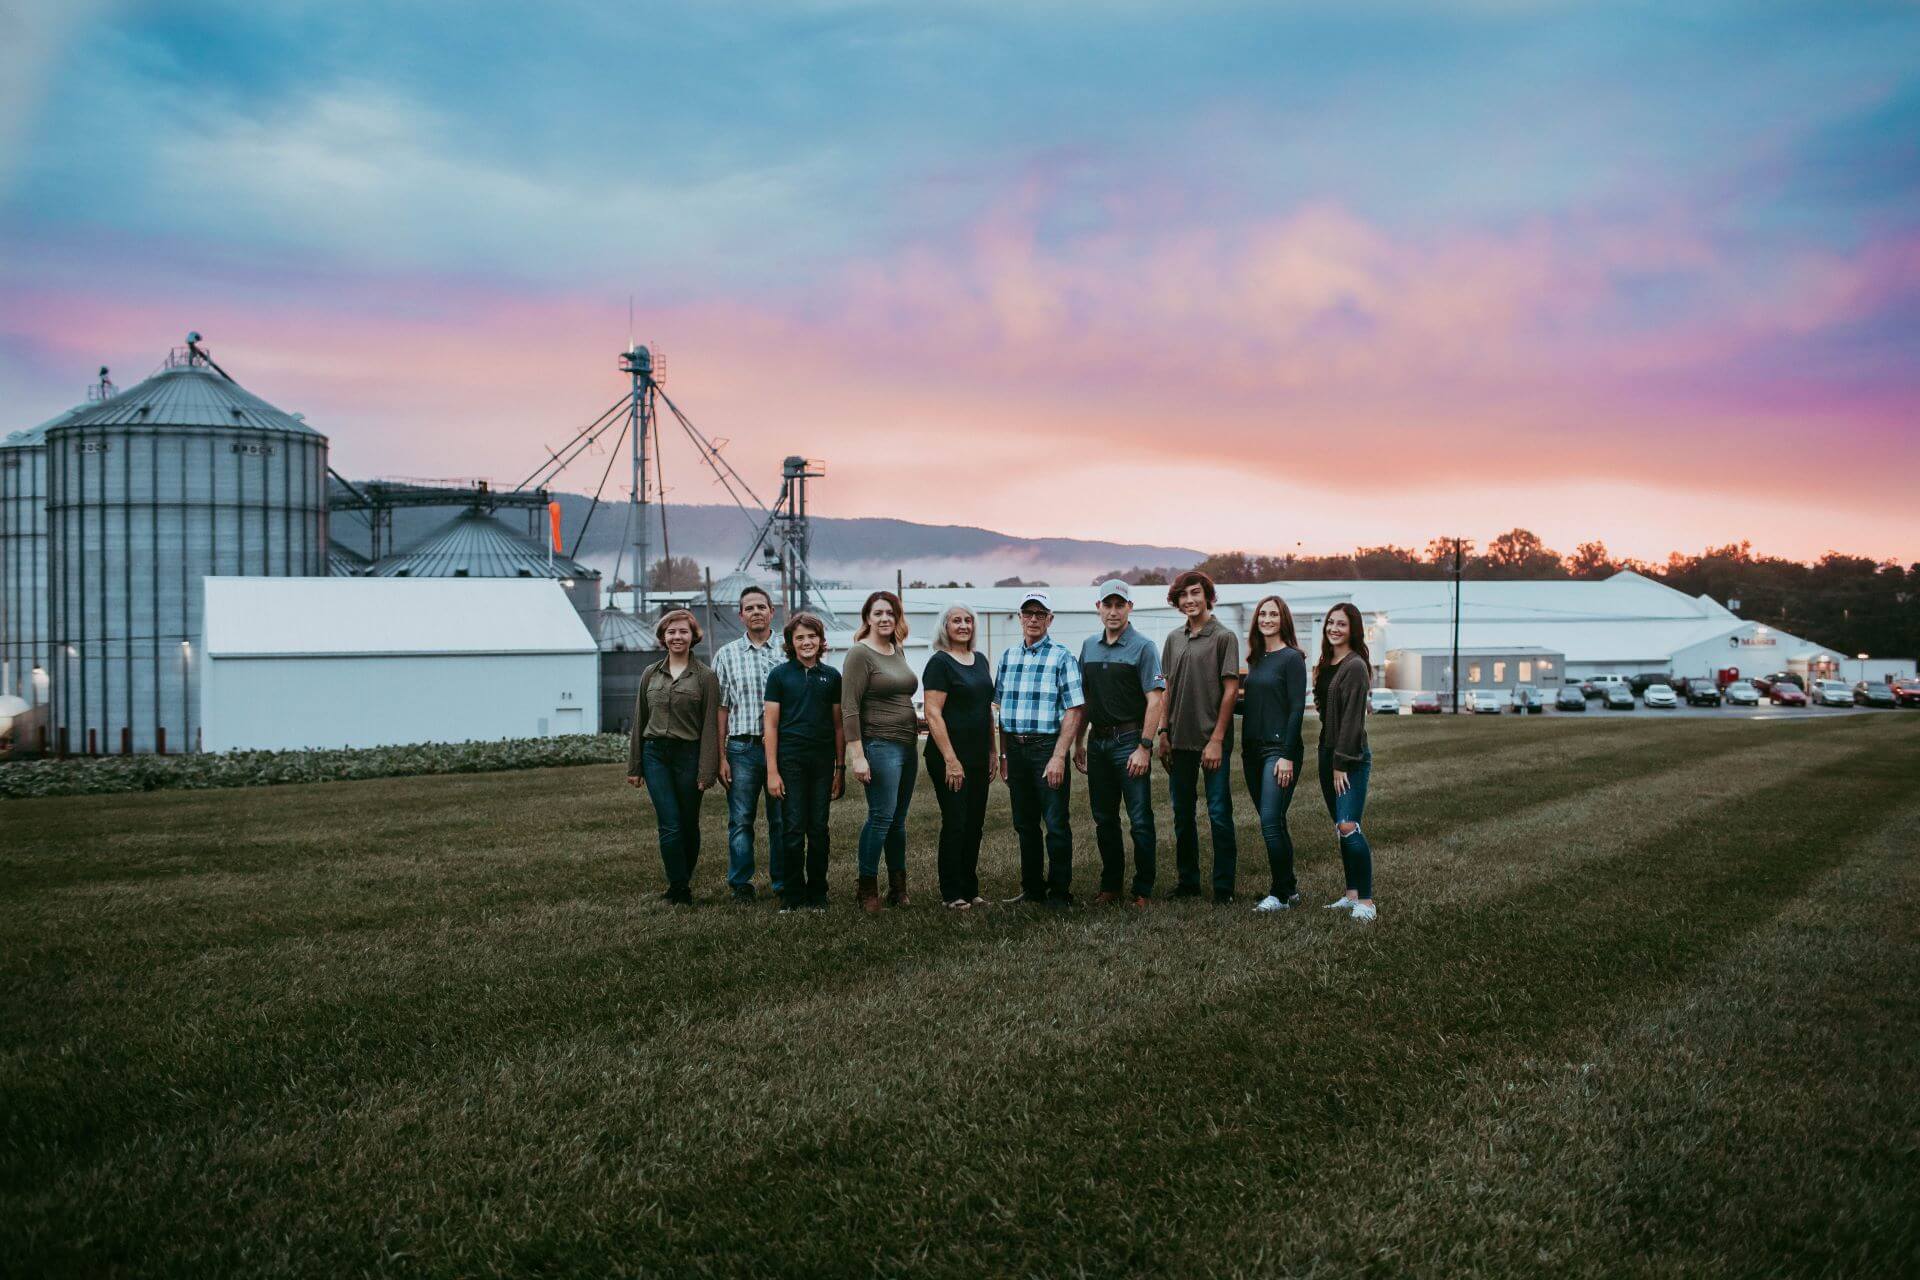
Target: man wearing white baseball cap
{"type": "Point", "coordinates": [1037, 696]}
{"type": "Point", "coordinates": [1126, 695]}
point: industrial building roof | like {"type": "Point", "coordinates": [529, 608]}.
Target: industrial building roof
{"type": "Point", "coordinates": [476, 545]}
{"type": "Point", "coordinates": [316, 617]}
{"type": "Point", "coordinates": [187, 395]}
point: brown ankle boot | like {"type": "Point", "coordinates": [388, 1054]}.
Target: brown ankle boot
{"type": "Point", "coordinates": [896, 887]}
{"type": "Point", "coordinates": [867, 893]}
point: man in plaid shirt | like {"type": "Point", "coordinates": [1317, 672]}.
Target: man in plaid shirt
{"type": "Point", "coordinates": [742, 667]}
{"type": "Point", "coordinates": [1037, 694]}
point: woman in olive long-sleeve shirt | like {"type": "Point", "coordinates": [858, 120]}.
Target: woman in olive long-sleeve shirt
{"type": "Point", "coordinates": [876, 702]}
{"type": "Point", "coordinates": [675, 746]}
{"type": "Point", "coordinates": [1273, 704]}
{"type": "Point", "coordinates": [1340, 682]}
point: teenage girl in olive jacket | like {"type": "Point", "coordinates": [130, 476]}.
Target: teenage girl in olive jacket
{"type": "Point", "coordinates": [1341, 680]}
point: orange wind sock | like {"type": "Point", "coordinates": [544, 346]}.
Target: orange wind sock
{"type": "Point", "coordinates": [553, 518]}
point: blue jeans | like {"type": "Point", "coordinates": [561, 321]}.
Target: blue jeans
{"type": "Point", "coordinates": [1107, 783]}
{"type": "Point", "coordinates": [1356, 855]}
{"type": "Point", "coordinates": [800, 859]}
{"type": "Point", "coordinates": [671, 769]}
{"type": "Point", "coordinates": [889, 796]}
{"type": "Point", "coordinates": [1271, 800]}
{"type": "Point", "coordinates": [747, 757]}
{"type": "Point", "coordinates": [1184, 776]}
{"type": "Point", "coordinates": [1046, 869]}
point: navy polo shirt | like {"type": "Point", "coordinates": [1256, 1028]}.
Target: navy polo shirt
{"type": "Point", "coordinates": [1117, 677]}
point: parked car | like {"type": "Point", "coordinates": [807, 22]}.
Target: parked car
{"type": "Point", "coordinates": [1529, 701]}
{"type": "Point", "coordinates": [1617, 698]}
{"type": "Point", "coordinates": [1485, 702]}
{"type": "Point", "coordinates": [1766, 683]}
{"type": "Point", "coordinates": [1907, 692]}
{"type": "Point", "coordinates": [1783, 694]}
{"type": "Point", "coordinates": [1647, 679]}
{"type": "Point", "coordinates": [1596, 686]}
{"type": "Point", "coordinates": [1832, 693]}
{"type": "Point", "coordinates": [1426, 704]}
{"type": "Point", "coordinates": [1702, 692]}
{"type": "Point", "coordinates": [1872, 693]}
{"type": "Point", "coordinates": [1383, 702]}
{"type": "Point", "coordinates": [1570, 699]}
{"type": "Point", "coordinates": [1660, 697]}
{"type": "Point", "coordinates": [1743, 693]}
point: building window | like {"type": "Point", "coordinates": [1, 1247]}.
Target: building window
{"type": "Point", "coordinates": [1526, 673]}
{"type": "Point", "coordinates": [1546, 668]}
{"type": "Point", "coordinates": [1473, 673]}
{"type": "Point", "coordinates": [1499, 673]}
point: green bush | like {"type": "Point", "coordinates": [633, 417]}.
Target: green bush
{"type": "Point", "coordinates": [104, 775]}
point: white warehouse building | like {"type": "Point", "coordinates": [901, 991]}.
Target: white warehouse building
{"type": "Point", "coordinates": [300, 663]}
{"type": "Point", "coordinates": [1543, 633]}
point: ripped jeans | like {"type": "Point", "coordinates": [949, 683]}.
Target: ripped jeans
{"type": "Point", "coordinates": [1356, 855]}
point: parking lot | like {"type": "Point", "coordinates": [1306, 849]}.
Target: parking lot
{"type": "Point", "coordinates": [1765, 711]}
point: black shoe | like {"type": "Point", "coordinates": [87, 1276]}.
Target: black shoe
{"type": "Point", "coordinates": [1024, 900]}
{"type": "Point", "coordinates": [743, 893]}
{"type": "Point", "coordinates": [680, 896]}
{"type": "Point", "coordinates": [1223, 897]}
{"type": "Point", "coordinates": [1059, 901]}
{"type": "Point", "coordinates": [1185, 891]}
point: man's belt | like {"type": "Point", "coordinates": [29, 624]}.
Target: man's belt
{"type": "Point", "coordinates": [1115, 730]}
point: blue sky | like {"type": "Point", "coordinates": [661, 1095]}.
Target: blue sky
{"type": "Point", "coordinates": [1598, 225]}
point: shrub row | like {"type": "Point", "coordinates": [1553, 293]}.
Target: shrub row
{"type": "Point", "coordinates": [104, 775]}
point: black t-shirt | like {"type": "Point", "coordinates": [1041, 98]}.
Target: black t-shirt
{"type": "Point", "coordinates": [807, 698]}
{"type": "Point", "coordinates": [969, 705]}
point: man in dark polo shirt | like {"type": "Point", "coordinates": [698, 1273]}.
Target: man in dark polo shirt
{"type": "Point", "coordinates": [1120, 672]}
{"type": "Point", "coordinates": [1202, 665]}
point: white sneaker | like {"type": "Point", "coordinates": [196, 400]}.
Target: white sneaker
{"type": "Point", "coordinates": [1361, 911]}
{"type": "Point", "coordinates": [1273, 903]}
{"type": "Point", "coordinates": [1343, 903]}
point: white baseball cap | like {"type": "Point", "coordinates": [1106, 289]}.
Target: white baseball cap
{"type": "Point", "coordinates": [1036, 597]}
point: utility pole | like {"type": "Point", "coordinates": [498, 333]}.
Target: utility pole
{"type": "Point", "coordinates": [637, 362]}
{"type": "Point", "coordinates": [1455, 681]}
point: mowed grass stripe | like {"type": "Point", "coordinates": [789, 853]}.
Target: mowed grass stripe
{"type": "Point", "coordinates": [368, 1004]}
{"type": "Point", "coordinates": [1772, 1101]}
{"type": "Point", "coordinates": [997, 1098]}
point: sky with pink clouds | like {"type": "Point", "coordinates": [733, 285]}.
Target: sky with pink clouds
{"type": "Point", "coordinates": [1223, 275]}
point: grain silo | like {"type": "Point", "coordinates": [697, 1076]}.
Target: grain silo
{"type": "Point", "coordinates": [148, 492]}
{"type": "Point", "coordinates": [23, 559]}
{"type": "Point", "coordinates": [476, 545]}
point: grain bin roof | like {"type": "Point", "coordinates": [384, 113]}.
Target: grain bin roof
{"type": "Point", "coordinates": [38, 435]}
{"type": "Point", "coordinates": [186, 396]}
{"type": "Point", "coordinates": [475, 545]}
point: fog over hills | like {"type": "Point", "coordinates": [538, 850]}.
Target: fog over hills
{"type": "Point", "coordinates": [858, 550]}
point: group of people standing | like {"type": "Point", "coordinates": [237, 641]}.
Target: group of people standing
{"type": "Point", "coordinates": [785, 726]}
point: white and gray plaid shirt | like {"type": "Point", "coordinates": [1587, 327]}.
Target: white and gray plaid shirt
{"type": "Point", "coordinates": [743, 668]}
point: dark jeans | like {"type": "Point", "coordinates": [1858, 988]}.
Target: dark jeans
{"type": "Point", "coordinates": [889, 796]}
{"type": "Point", "coordinates": [1184, 776]}
{"type": "Point", "coordinates": [963, 816]}
{"type": "Point", "coordinates": [747, 757]}
{"type": "Point", "coordinates": [1107, 783]}
{"type": "Point", "coordinates": [800, 865]}
{"type": "Point", "coordinates": [1046, 870]}
{"type": "Point", "coordinates": [1271, 800]}
{"type": "Point", "coordinates": [1355, 853]}
{"type": "Point", "coordinates": [671, 769]}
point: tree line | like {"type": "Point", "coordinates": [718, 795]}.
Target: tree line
{"type": "Point", "coordinates": [1853, 603]}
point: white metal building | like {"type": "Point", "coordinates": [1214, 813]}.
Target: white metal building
{"type": "Point", "coordinates": [290, 663]}
{"type": "Point", "coordinates": [1564, 631]}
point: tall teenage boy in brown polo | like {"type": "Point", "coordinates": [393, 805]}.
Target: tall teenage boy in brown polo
{"type": "Point", "coordinates": [1202, 665]}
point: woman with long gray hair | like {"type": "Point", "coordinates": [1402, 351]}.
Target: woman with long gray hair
{"type": "Point", "coordinates": [959, 689]}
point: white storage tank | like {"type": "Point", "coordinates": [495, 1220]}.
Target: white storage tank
{"type": "Point", "coordinates": [23, 560]}
{"type": "Point", "coordinates": [185, 475]}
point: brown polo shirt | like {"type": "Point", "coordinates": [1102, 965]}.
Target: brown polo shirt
{"type": "Point", "coordinates": [1197, 667]}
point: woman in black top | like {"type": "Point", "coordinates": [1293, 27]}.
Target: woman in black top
{"type": "Point", "coordinates": [1270, 752]}
{"type": "Point", "coordinates": [959, 689]}
{"type": "Point", "coordinates": [1340, 683]}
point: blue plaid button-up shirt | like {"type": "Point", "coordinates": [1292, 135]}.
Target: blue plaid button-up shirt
{"type": "Point", "coordinates": [1035, 686]}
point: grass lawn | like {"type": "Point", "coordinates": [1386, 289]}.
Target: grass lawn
{"type": "Point", "coordinates": [1644, 999]}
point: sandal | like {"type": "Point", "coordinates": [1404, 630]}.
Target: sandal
{"type": "Point", "coordinates": [959, 904]}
